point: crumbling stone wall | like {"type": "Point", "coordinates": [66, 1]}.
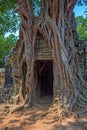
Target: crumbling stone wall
{"type": "Point", "coordinates": [13, 74]}
{"type": "Point", "coordinates": [82, 57]}
{"type": "Point", "coordinates": [12, 77]}
{"type": "Point", "coordinates": [8, 73]}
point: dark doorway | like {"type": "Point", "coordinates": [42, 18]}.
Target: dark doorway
{"type": "Point", "coordinates": [44, 70]}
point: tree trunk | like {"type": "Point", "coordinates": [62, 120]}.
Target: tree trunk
{"type": "Point", "coordinates": [55, 25]}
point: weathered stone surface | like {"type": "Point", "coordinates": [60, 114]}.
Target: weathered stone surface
{"type": "Point", "coordinates": [82, 57]}
{"type": "Point", "coordinates": [12, 85]}
{"type": "Point", "coordinates": [8, 72]}
{"type": "Point", "coordinates": [12, 77]}
{"type": "Point", "coordinates": [42, 50]}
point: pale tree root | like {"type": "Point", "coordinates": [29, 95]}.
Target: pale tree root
{"type": "Point", "coordinates": [19, 108]}
{"type": "Point", "coordinates": [26, 105]}
{"type": "Point", "coordinates": [63, 54]}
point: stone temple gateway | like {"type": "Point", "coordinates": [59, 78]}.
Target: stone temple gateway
{"type": "Point", "coordinates": [43, 70]}
{"type": "Point", "coordinates": [44, 75]}
{"type": "Point", "coordinates": [44, 61]}
{"type": "Point", "coordinates": [38, 65]}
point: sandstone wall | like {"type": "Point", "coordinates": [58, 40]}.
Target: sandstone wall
{"type": "Point", "coordinates": [82, 57]}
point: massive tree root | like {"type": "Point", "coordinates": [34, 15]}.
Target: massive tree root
{"type": "Point", "coordinates": [55, 25]}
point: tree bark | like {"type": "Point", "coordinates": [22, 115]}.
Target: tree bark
{"type": "Point", "coordinates": [54, 24]}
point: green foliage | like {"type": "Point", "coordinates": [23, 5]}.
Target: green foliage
{"type": "Point", "coordinates": [5, 46]}
{"type": "Point", "coordinates": [82, 27]}
{"type": "Point", "coordinates": [9, 20]}
{"type": "Point", "coordinates": [9, 24]}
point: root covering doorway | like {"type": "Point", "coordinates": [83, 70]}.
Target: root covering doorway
{"type": "Point", "coordinates": [44, 79]}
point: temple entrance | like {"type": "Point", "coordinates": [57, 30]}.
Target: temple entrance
{"type": "Point", "coordinates": [44, 78]}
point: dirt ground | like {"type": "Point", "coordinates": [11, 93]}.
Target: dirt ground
{"type": "Point", "coordinates": [35, 119]}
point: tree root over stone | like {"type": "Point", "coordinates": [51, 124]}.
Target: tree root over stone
{"type": "Point", "coordinates": [54, 25]}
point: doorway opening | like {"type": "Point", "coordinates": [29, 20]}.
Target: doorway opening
{"type": "Point", "coordinates": [44, 78]}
